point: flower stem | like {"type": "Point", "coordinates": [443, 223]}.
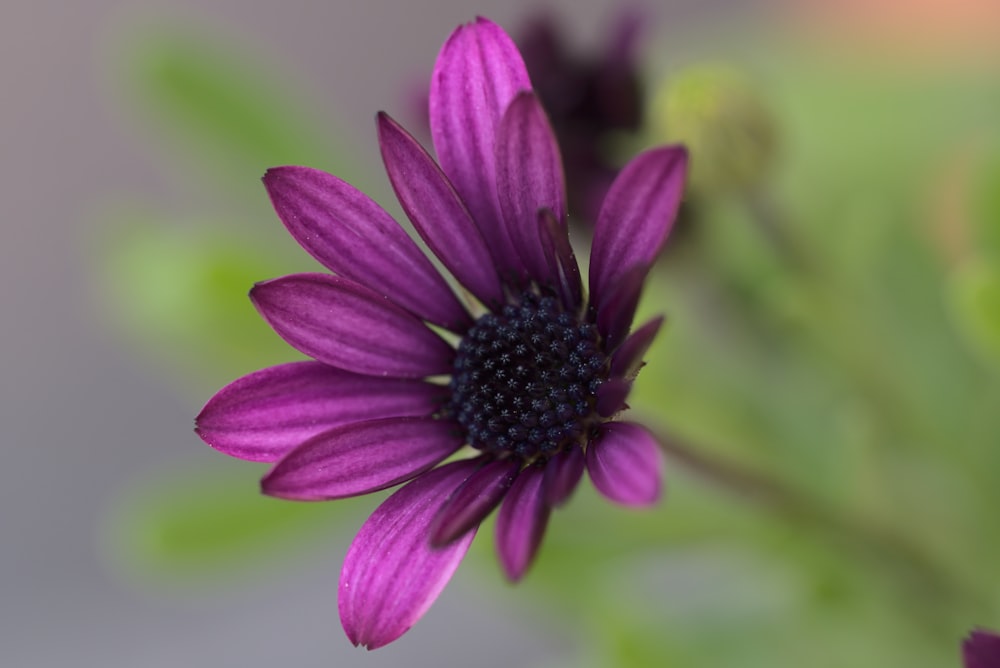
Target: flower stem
{"type": "Point", "coordinates": [918, 573]}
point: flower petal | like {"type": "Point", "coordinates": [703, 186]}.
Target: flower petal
{"type": "Point", "coordinates": [391, 575]}
{"type": "Point", "coordinates": [981, 650]}
{"type": "Point", "coordinates": [636, 216]}
{"type": "Point", "coordinates": [615, 315]}
{"type": "Point", "coordinates": [437, 212]}
{"type": "Point", "coordinates": [521, 523]}
{"type": "Point", "coordinates": [625, 465]}
{"type": "Point", "coordinates": [627, 360]}
{"type": "Point", "coordinates": [344, 324]}
{"type": "Point", "coordinates": [529, 179]}
{"type": "Point", "coordinates": [558, 251]}
{"type": "Point", "coordinates": [611, 396]}
{"type": "Point", "coordinates": [562, 475]}
{"type": "Point", "coordinates": [477, 74]}
{"type": "Point", "coordinates": [355, 238]}
{"type": "Point", "coordinates": [262, 416]}
{"type": "Point", "coordinates": [474, 500]}
{"type": "Point", "coordinates": [362, 457]}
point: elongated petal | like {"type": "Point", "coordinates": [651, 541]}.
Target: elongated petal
{"type": "Point", "coordinates": [354, 237]}
{"type": "Point", "coordinates": [477, 74]}
{"type": "Point", "coordinates": [529, 179]}
{"type": "Point", "coordinates": [362, 457]}
{"type": "Point", "coordinates": [344, 324]}
{"type": "Point", "coordinates": [521, 523]}
{"type": "Point", "coordinates": [562, 475]}
{"type": "Point", "coordinates": [554, 237]}
{"type": "Point", "coordinates": [627, 360]}
{"type": "Point", "coordinates": [437, 212]}
{"type": "Point", "coordinates": [625, 464]}
{"type": "Point", "coordinates": [981, 650]}
{"type": "Point", "coordinates": [611, 396]}
{"type": "Point", "coordinates": [391, 575]}
{"type": "Point", "coordinates": [474, 500]}
{"type": "Point", "coordinates": [614, 316]}
{"type": "Point", "coordinates": [262, 416]}
{"type": "Point", "coordinates": [636, 216]}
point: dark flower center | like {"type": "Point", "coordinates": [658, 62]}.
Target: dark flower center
{"type": "Point", "coordinates": [525, 379]}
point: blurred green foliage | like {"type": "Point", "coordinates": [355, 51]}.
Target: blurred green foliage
{"type": "Point", "coordinates": [819, 336]}
{"type": "Point", "coordinates": [224, 109]}
{"type": "Point", "coordinates": [187, 525]}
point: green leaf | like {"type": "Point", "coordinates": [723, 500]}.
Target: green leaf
{"type": "Point", "coordinates": [208, 521]}
{"type": "Point", "coordinates": [225, 107]}
{"type": "Point", "coordinates": [180, 292]}
{"type": "Point", "coordinates": [975, 298]}
{"type": "Point", "coordinates": [986, 205]}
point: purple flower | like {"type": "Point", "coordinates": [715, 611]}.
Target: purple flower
{"type": "Point", "coordinates": [981, 650]}
{"type": "Point", "coordinates": [524, 370]}
{"type": "Point", "coordinates": [593, 100]}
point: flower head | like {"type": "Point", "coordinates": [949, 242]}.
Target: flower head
{"type": "Point", "coordinates": [529, 372]}
{"type": "Point", "coordinates": [591, 99]}
{"type": "Point", "coordinates": [981, 650]}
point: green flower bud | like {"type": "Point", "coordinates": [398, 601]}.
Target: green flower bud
{"type": "Point", "coordinates": [718, 113]}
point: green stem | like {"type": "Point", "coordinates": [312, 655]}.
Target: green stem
{"type": "Point", "coordinates": [918, 572]}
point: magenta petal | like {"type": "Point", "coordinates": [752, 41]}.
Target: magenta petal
{"type": "Point", "coordinates": [625, 465]}
{"type": "Point", "coordinates": [344, 324]}
{"type": "Point", "coordinates": [611, 396]}
{"type": "Point", "coordinates": [562, 475]}
{"type": "Point", "coordinates": [529, 179]}
{"type": "Point", "coordinates": [521, 523]}
{"type": "Point", "coordinates": [474, 500]}
{"type": "Point", "coordinates": [362, 457]}
{"type": "Point", "coordinates": [262, 416]}
{"type": "Point", "coordinates": [614, 316]}
{"type": "Point", "coordinates": [554, 237]}
{"type": "Point", "coordinates": [355, 238]}
{"type": "Point", "coordinates": [478, 72]}
{"type": "Point", "coordinates": [981, 650]}
{"type": "Point", "coordinates": [391, 575]}
{"type": "Point", "coordinates": [437, 212]}
{"type": "Point", "coordinates": [627, 360]}
{"type": "Point", "coordinates": [636, 216]}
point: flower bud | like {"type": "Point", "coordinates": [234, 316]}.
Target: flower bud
{"type": "Point", "coordinates": [718, 113]}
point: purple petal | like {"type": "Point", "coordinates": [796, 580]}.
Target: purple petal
{"type": "Point", "coordinates": [625, 465]}
{"type": "Point", "coordinates": [474, 500]}
{"type": "Point", "coordinates": [355, 238]}
{"type": "Point", "coordinates": [624, 36]}
{"type": "Point", "coordinates": [391, 575]}
{"type": "Point", "coordinates": [477, 74]}
{"type": "Point", "coordinates": [262, 416]}
{"type": "Point", "coordinates": [636, 216]}
{"type": "Point", "coordinates": [362, 457]}
{"type": "Point", "coordinates": [562, 475]}
{"type": "Point", "coordinates": [521, 523]}
{"type": "Point", "coordinates": [981, 650]}
{"type": "Point", "coordinates": [611, 396]}
{"type": "Point", "coordinates": [614, 316]}
{"type": "Point", "coordinates": [554, 237]}
{"type": "Point", "coordinates": [346, 325]}
{"type": "Point", "coordinates": [529, 179]}
{"type": "Point", "coordinates": [627, 360]}
{"type": "Point", "coordinates": [437, 212]}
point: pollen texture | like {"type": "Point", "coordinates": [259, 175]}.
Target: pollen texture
{"type": "Point", "coordinates": [525, 379]}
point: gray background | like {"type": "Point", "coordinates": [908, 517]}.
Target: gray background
{"type": "Point", "coordinates": [80, 414]}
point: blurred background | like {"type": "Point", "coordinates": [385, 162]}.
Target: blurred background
{"type": "Point", "coordinates": [833, 338]}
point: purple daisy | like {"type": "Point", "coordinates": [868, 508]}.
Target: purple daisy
{"type": "Point", "coordinates": [981, 650]}
{"type": "Point", "coordinates": [523, 368]}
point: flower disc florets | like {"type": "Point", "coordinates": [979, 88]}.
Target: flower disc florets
{"type": "Point", "coordinates": [525, 379]}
